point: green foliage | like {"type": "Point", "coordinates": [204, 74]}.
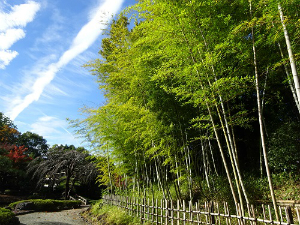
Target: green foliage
{"type": "Point", "coordinates": [257, 188]}
{"type": "Point", "coordinates": [287, 185]}
{"type": "Point", "coordinates": [36, 145]}
{"type": "Point", "coordinates": [110, 215]}
{"type": "Point", "coordinates": [49, 204]}
{"type": "Point", "coordinates": [7, 217]}
{"type": "Point", "coordinates": [14, 156]}
{"type": "Point", "coordinates": [284, 148]}
{"type": "Point", "coordinates": [180, 90]}
{"type": "Point", "coordinates": [8, 131]}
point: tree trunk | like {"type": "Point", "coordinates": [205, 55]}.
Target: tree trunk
{"type": "Point", "coordinates": [290, 52]}
{"type": "Point", "coordinates": [289, 80]}
{"type": "Point", "coordinates": [204, 164]}
{"type": "Point", "coordinates": [260, 118]}
{"type": "Point", "coordinates": [67, 185]}
{"type": "Point", "coordinates": [228, 138]}
{"type": "Point", "coordinates": [213, 124]}
{"type": "Point", "coordinates": [212, 157]}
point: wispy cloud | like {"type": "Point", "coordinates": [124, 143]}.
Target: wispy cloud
{"type": "Point", "coordinates": [83, 40]}
{"type": "Point", "coordinates": [51, 128]}
{"type": "Point", "coordinates": [11, 31]}
{"type": "Point", "coordinates": [54, 32]}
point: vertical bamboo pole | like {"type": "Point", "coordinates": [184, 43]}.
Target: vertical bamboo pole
{"type": "Point", "coordinates": [161, 211]}
{"type": "Point", "coordinates": [191, 212]}
{"type": "Point", "coordinates": [172, 213]}
{"type": "Point", "coordinates": [156, 206]}
{"type": "Point", "coordinates": [148, 209]}
{"type": "Point", "coordinates": [290, 52]}
{"type": "Point", "coordinates": [137, 206]}
{"type": "Point", "coordinates": [240, 214]}
{"type": "Point", "coordinates": [264, 212]}
{"type": "Point", "coordinates": [289, 215]}
{"type": "Point", "coordinates": [260, 118]}
{"type": "Point", "coordinates": [167, 212]}
{"type": "Point", "coordinates": [197, 213]}
{"type": "Point", "coordinates": [280, 211]}
{"type": "Point", "coordinates": [298, 215]}
{"type": "Point", "coordinates": [153, 210]}
{"type": "Point", "coordinates": [255, 221]}
{"type": "Point", "coordinates": [206, 210]}
{"type": "Point", "coordinates": [228, 213]}
{"type": "Point", "coordinates": [141, 203]}
{"type": "Point", "coordinates": [249, 213]}
{"type": "Point", "coordinates": [211, 210]}
{"type": "Point", "coordinates": [130, 205]}
{"type": "Point", "coordinates": [218, 211]}
{"type": "Point", "coordinates": [142, 210]}
{"type": "Point", "coordinates": [270, 214]}
{"type": "Point", "coordinates": [183, 209]}
{"type": "Point", "coordinates": [178, 212]}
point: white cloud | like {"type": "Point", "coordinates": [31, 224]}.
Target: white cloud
{"type": "Point", "coordinates": [10, 28]}
{"type": "Point", "coordinates": [46, 118]}
{"type": "Point", "coordinates": [6, 56]}
{"type": "Point", "coordinates": [89, 32]}
{"type": "Point", "coordinates": [38, 87]}
{"type": "Point", "coordinates": [19, 16]}
{"type": "Point", "coordinates": [84, 39]}
{"type": "Point", "coordinates": [9, 37]}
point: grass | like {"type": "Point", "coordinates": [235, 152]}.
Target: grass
{"type": "Point", "coordinates": [7, 217]}
{"type": "Point", "coordinates": [106, 214]}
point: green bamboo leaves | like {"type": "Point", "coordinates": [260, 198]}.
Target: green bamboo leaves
{"type": "Point", "coordinates": [180, 86]}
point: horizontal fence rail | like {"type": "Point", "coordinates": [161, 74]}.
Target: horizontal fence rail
{"type": "Point", "coordinates": [156, 211]}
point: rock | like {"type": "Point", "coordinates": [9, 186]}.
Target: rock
{"type": "Point", "coordinates": [25, 206]}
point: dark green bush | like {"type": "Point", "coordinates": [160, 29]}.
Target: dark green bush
{"type": "Point", "coordinates": [49, 204]}
{"type": "Point", "coordinates": [7, 217]}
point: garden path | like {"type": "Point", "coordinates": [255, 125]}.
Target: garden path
{"type": "Point", "coordinates": [65, 217]}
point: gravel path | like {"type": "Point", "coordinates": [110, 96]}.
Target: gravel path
{"type": "Point", "coordinates": [66, 217]}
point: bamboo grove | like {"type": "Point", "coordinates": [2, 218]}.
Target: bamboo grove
{"type": "Point", "coordinates": [197, 90]}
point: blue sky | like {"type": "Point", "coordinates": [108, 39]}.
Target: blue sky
{"type": "Point", "coordinates": [43, 45]}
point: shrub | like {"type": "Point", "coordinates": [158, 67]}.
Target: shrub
{"type": "Point", "coordinates": [49, 204]}
{"type": "Point", "coordinates": [106, 214]}
{"type": "Point", "coordinates": [7, 217]}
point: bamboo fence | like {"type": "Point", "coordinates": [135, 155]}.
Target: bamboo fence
{"type": "Point", "coordinates": [154, 211]}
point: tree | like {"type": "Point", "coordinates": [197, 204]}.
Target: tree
{"type": "Point", "coordinates": [8, 131]}
{"type": "Point", "coordinates": [36, 145]}
{"type": "Point", "coordinates": [17, 155]}
{"type": "Point", "coordinates": [11, 156]}
{"type": "Point", "coordinates": [184, 83]}
{"type": "Point", "coordinates": [260, 116]}
{"type": "Point", "coordinates": [63, 163]}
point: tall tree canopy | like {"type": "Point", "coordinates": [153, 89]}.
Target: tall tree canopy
{"type": "Point", "coordinates": [187, 85]}
{"type": "Point", "coordinates": [36, 145]}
